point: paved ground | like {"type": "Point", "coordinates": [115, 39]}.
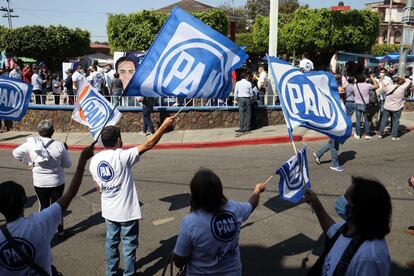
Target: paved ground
{"type": "Point", "coordinates": [278, 239]}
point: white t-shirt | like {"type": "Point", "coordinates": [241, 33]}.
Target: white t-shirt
{"type": "Point", "coordinates": [263, 81]}
{"type": "Point", "coordinates": [111, 170]}
{"type": "Point", "coordinates": [48, 163]}
{"type": "Point", "coordinates": [306, 65]}
{"type": "Point", "coordinates": [371, 258]}
{"type": "Point", "coordinates": [78, 78]}
{"type": "Point", "coordinates": [109, 76]}
{"type": "Point", "coordinates": [212, 242]}
{"type": "Point", "coordinates": [33, 235]}
{"type": "Point", "coordinates": [57, 87]}
{"type": "Point", "coordinates": [97, 80]}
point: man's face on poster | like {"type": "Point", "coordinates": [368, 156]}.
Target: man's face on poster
{"type": "Point", "coordinates": [126, 70]}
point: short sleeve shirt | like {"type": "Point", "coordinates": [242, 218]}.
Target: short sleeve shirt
{"type": "Point", "coordinates": [33, 235]}
{"type": "Point", "coordinates": [212, 241]}
{"type": "Point", "coordinates": [371, 258]}
{"type": "Point", "coordinates": [112, 171]}
{"type": "Point", "coordinates": [363, 91]}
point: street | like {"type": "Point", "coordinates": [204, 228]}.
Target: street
{"type": "Point", "coordinates": [278, 238]}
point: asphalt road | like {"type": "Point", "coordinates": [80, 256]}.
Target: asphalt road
{"type": "Point", "coordinates": [278, 239]}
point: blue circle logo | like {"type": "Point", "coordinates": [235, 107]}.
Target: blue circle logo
{"type": "Point", "coordinates": [105, 171]}
{"type": "Point", "coordinates": [224, 226]}
{"type": "Point", "coordinates": [10, 260]}
{"type": "Point", "coordinates": [96, 111]}
{"type": "Point", "coordinates": [11, 97]}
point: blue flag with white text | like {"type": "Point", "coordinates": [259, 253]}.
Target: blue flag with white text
{"type": "Point", "coordinates": [311, 100]}
{"type": "Point", "coordinates": [294, 177]}
{"type": "Point", "coordinates": [188, 59]}
{"type": "Point", "coordinates": [14, 98]}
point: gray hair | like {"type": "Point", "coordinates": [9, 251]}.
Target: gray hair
{"type": "Point", "coordinates": [45, 128]}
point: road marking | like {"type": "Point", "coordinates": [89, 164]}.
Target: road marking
{"type": "Point", "coordinates": [162, 221]}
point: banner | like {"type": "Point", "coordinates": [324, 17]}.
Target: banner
{"type": "Point", "coordinates": [294, 177]}
{"type": "Point", "coordinates": [188, 59]}
{"type": "Point", "coordinates": [14, 98]}
{"type": "Point", "coordinates": [310, 100]}
{"type": "Point", "coordinates": [93, 110]}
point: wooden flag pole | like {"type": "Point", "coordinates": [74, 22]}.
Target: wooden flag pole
{"type": "Point", "coordinates": [181, 109]}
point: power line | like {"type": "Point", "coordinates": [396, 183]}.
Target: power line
{"type": "Point", "coordinates": [8, 13]}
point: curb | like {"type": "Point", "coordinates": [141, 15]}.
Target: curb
{"type": "Point", "coordinates": [193, 145]}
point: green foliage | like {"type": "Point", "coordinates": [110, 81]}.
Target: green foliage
{"type": "Point", "coordinates": [383, 49]}
{"type": "Point", "coordinates": [323, 32]}
{"type": "Point", "coordinates": [52, 44]}
{"type": "Point", "coordinates": [261, 7]}
{"type": "Point", "coordinates": [137, 31]}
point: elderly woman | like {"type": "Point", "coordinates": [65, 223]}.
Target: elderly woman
{"type": "Point", "coordinates": [208, 242]}
{"type": "Point", "coordinates": [355, 246]}
{"type": "Point", "coordinates": [47, 158]}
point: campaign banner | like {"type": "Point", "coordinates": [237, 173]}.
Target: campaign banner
{"type": "Point", "coordinates": [311, 100]}
{"type": "Point", "coordinates": [93, 110]}
{"type": "Point", "coordinates": [14, 98]}
{"type": "Point", "coordinates": [294, 177]}
{"type": "Point", "coordinates": [188, 59]}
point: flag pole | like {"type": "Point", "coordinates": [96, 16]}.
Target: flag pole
{"type": "Point", "coordinates": [70, 126]}
{"type": "Point", "coordinates": [178, 112]}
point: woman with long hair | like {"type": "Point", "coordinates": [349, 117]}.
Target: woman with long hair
{"type": "Point", "coordinates": [208, 242]}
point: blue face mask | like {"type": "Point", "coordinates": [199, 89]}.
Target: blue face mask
{"type": "Point", "coordinates": [340, 207]}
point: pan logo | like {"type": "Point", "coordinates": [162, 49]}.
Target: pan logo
{"type": "Point", "coordinates": [11, 97]}
{"type": "Point", "coordinates": [105, 171]}
{"type": "Point", "coordinates": [10, 260]}
{"type": "Point", "coordinates": [191, 67]}
{"type": "Point", "coordinates": [224, 226]}
{"type": "Point", "coordinates": [95, 111]}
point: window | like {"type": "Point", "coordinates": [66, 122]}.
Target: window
{"type": "Point", "coordinates": [397, 37]}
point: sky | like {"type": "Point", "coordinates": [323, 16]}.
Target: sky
{"type": "Point", "coordinates": [91, 15]}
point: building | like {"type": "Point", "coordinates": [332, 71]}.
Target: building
{"type": "Point", "coordinates": [188, 5]}
{"type": "Point", "coordinates": [340, 7]}
{"type": "Point", "coordinates": [391, 14]}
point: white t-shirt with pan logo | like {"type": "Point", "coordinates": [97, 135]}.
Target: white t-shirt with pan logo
{"type": "Point", "coordinates": [111, 170]}
{"type": "Point", "coordinates": [211, 242]}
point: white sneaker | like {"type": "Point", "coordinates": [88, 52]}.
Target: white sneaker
{"type": "Point", "coordinates": [318, 161]}
{"type": "Point", "coordinates": [380, 136]}
{"type": "Point", "coordinates": [357, 136]}
{"type": "Point", "coordinates": [338, 168]}
{"type": "Point", "coordinates": [395, 138]}
{"type": "Point", "coordinates": [367, 137]}
{"type": "Point", "coordinates": [142, 133]}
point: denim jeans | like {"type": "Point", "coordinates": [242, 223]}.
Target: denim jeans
{"type": "Point", "coordinates": [350, 108]}
{"type": "Point", "coordinates": [367, 124]}
{"type": "Point", "coordinates": [146, 111]}
{"type": "Point", "coordinates": [395, 122]}
{"type": "Point", "coordinates": [245, 108]}
{"type": "Point", "coordinates": [129, 231]}
{"type": "Point", "coordinates": [334, 147]}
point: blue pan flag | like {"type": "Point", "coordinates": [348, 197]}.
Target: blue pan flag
{"type": "Point", "coordinates": [188, 59]}
{"type": "Point", "coordinates": [14, 98]}
{"type": "Point", "coordinates": [310, 100]}
{"type": "Point", "coordinates": [294, 177]}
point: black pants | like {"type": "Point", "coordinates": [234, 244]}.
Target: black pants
{"type": "Point", "coordinates": [146, 111]}
{"type": "Point", "coordinates": [38, 96]}
{"type": "Point", "coordinates": [48, 196]}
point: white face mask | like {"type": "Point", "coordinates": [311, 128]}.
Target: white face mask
{"type": "Point", "coordinates": [382, 75]}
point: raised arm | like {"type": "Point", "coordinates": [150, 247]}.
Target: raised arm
{"type": "Point", "coordinates": [153, 140]}
{"type": "Point", "coordinates": [324, 219]}
{"type": "Point", "coordinates": [254, 198]}
{"type": "Point", "coordinates": [67, 197]}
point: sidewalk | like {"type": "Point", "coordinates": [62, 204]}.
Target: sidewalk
{"type": "Point", "coordinates": [188, 139]}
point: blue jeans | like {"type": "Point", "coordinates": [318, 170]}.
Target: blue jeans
{"type": "Point", "coordinates": [350, 108]}
{"type": "Point", "coordinates": [395, 121]}
{"type": "Point", "coordinates": [245, 108]}
{"type": "Point", "coordinates": [360, 110]}
{"type": "Point", "coordinates": [146, 111]}
{"type": "Point", "coordinates": [334, 147]}
{"type": "Point", "coordinates": [129, 231]}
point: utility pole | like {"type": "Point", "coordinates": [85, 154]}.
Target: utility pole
{"type": "Point", "coordinates": [273, 34]}
{"type": "Point", "coordinates": [389, 24]}
{"type": "Point", "coordinates": [8, 14]}
{"type": "Point", "coordinates": [408, 19]}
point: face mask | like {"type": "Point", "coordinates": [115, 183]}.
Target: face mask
{"type": "Point", "coordinates": [340, 207]}
{"type": "Point", "coordinates": [382, 75]}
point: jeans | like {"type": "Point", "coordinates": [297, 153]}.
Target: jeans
{"type": "Point", "coordinates": [245, 108]}
{"type": "Point", "coordinates": [146, 111]}
{"type": "Point", "coordinates": [350, 108]}
{"type": "Point", "coordinates": [129, 231]}
{"type": "Point", "coordinates": [395, 121]}
{"type": "Point", "coordinates": [116, 95]}
{"type": "Point", "coordinates": [48, 196]}
{"type": "Point", "coordinates": [360, 110]}
{"type": "Point", "coordinates": [261, 96]}
{"type": "Point", "coordinates": [334, 147]}
{"type": "Point", "coordinates": [57, 98]}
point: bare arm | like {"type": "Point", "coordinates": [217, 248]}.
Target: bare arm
{"type": "Point", "coordinates": [153, 140]}
{"type": "Point", "coordinates": [254, 198]}
{"type": "Point", "coordinates": [324, 219]}
{"type": "Point", "coordinates": [67, 197]}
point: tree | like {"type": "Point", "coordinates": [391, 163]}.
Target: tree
{"type": "Point", "coordinates": [323, 32]}
{"type": "Point", "coordinates": [383, 49]}
{"type": "Point", "coordinates": [137, 31]}
{"type": "Point", "coordinates": [52, 44]}
{"type": "Point", "coordinates": [241, 16]}
{"type": "Point", "coordinates": [261, 7]}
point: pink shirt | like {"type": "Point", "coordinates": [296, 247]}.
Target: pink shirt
{"type": "Point", "coordinates": [395, 101]}
{"type": "Point", "coordinates": [364, 88]}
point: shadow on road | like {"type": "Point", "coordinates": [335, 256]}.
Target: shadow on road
{"type": "Point", "coordinates": [178, 201]}
{"type": "Point", "coordinates": [160, 254]}
{"type": "Point", "coordinates": [346, 156]}
{"type": "Point", "coordinates": [279, 205]}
